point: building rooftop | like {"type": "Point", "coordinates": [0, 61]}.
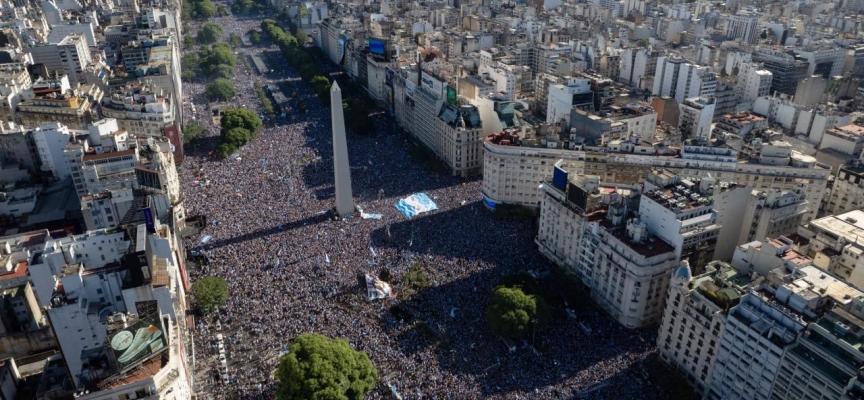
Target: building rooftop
{"type": "Point", "coordinates": [679, 198]}
{"type": "Point", "coordinates": [651, 247]}
{"type": "Point", "coordinates": [92, 156]}
{"type": "Point", "coordinates": [743, 118]}
{"type": "Point", "coordinates": [849, 225]}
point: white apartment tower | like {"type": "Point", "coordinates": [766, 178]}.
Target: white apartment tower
{"type": "Point", "coordinates": [563, 97]}
{"type": "Point", "coordinates": [51, 141]}
{"type": "Point", "coordinates": [753, 82]}
{"type": "Point", "coordinates": [773, 213]}
{"type": "Point", "coordinates": [695, 118]}
{"type": "Point", "coordinates": [742, 26]}
{"type": "Point", "coordinates": [635, 65]}
{"type": "Point", "coordinates": [825, 362]}
{"type": "Point", "coordinates": [757, 331]}
{"type": "Point", "coordinates": [679, 79]}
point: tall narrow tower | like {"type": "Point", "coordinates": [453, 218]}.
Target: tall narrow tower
{"type": "Point", "coordinates": [341, 171]}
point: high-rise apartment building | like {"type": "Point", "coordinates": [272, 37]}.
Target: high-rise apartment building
{"type": "Point", "coordinates": [786, 68]}
{"type": "Point", "coordinates": [68, 57]}
{"type": "Point", "coordinates": [680, 80]}
{"type": "Point", "coordinates": [742, 26]}
{"type": "Point", "coordinates": [695, 317]}
{"type": "Point", "coordinates": [695, 119]}
{"type": "Point", "coordinates": [636, 65]}
{"type": "Point", "coordinates": [757, 331]}
{"type": "Point", "coordinates": [825, 362]}
{"type": "Point", "coordinates": [584, 228]}
{"type": "Point", "coordinates": [847, 191]}
{"type": "Point", "coordinates": [681, 212]}
{"type": "Point", "coordinates": [753, 82]}
{"type": "Point", "coordinates": [562, 98]}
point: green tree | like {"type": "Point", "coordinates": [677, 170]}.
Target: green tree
{"type": "Point", "coordinates": [224, 150]}
{"type": "Point", "coordinates": [238, 118]}
{"type": "Point", "coordinates": [301, 37]}
{"type": "Point", "coordinates": [192, 132]}
{"type": "Point", "coordinates": [236, 137]}
{"type": "Point", "coordinates": [221, 11]}
{"type": "Point", "coordinates": [643, 43]}
{"type": "Point", "coordinates": [187, 75]}
{"type": "Point", "coordinates": [511, 312]}
{"type": "Point", "coordinates": [223, 71]}
{"type": "Point", "coordinates": [210, 292]}
{"type": "Point", "coordinates": [234, 40]}
{"type": "Point", "coordinates": [204, 9]}
{"type": "Point", "coordinates": [218, 54]}
{"type": "Point", "coordinates": [189, 65]}
{"type": "Point", "coordinates": [254, 37]}
{"type": "Point", "coordinates": [186, 11]}
{"type": "Point", "coordinates": [188, 41]}
{"type": "Point", "coordinates": [190, 61]}
{"type": "Point", "coordinates": [220, 90]}
{"type": "Point", "coordinates": [209, 33]}
{"type": "Point", "coordinates": [320, 368]}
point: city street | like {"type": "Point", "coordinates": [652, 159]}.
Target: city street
{"type": "Point", "coordinates": [291, 270]}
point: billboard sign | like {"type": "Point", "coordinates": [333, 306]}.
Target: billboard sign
{"type": "Point", "coordinates": [451, 95]}
{"type": "Point", "coordinates": [148, 219]}
{"type": "Point", "coordinates": [433, 85]}
{"type": "Point", "coordinates": [378, 49]}
{"type": "Point", "coordinates": [139, 341]}
{"type": "Point", "coordinates": [409, 88]}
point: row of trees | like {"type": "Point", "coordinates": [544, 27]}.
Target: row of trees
{"type": "Point", "coordinates": [248, 7]}
{"type": "Point", "coordinates": [238, 128]}
{"type": "Point", "coordinates": [265, 102]}
{"type": "Point", "coordinates": [198, 9]}
{"type": "Point", "coordinates": [356, 109]}
{"type": "Point", "coordinates": [215, 62]}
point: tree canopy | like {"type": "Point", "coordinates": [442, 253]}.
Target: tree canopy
{"type": "Point", "coordinates": [235, 40]}
{"type": "Point", "coordinates": [210, 293]}
{"type": "Point", "coordinates": [511, 312]}
{"type": "Point", "coordinates": [189, 64]}
{"type": "Point", "coordinates": [214, 56]}
{"type": "Point", "coordinates": [204, 9]}
{"type": "Point", "coordinates": [223, 71]}
{"type": "Point", "coordinates": [209, 33]}
{"type": "Point", "coordinates": [254, 37]}
{"type": "Point", "coordinates": [320, 368]}
{"type": "Point", "coordinates": [192, 132]}
{"type": "Point", "coordinates": [220, 89]}
{"type": "Point", "coordinates": [238, 128]}
{"type": "Point", "coordinates": [247, 6]}
{"type": "Point", "coordinates": [239, 118]}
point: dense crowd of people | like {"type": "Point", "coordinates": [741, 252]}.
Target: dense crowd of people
{"type": "Point", "coordinates": [293, 268]}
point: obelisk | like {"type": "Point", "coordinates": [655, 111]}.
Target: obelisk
{"type": "Point", "coordinates": [341, 170]}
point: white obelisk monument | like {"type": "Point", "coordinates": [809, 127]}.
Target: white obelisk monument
{"type": "Point", "coordinates": [341, 170]}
